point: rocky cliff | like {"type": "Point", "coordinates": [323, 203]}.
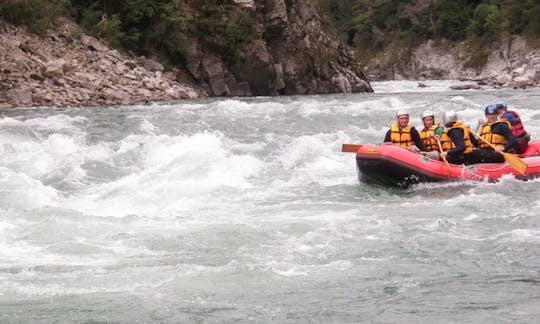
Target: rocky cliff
{"type": "Point", "coordinates": [509, 63]}
{"type": "Point", "coordinates": [60, 71]}
{"type": "Point", "coordinates": [290, 53]}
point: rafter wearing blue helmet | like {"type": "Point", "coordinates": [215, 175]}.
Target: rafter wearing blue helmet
{"type": "Point", "coordinates": [516, 126]}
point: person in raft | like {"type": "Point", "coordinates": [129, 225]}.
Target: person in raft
{"type": "Point", "coordinates": [403, 134]}
{"type": "Point", "coordinates": [498, 133]}
{"type": "Point", "coordinates": [516, 126]}
{"type": "Point", "coordinates": [456, 141]}
{"type": "Point", "coordinates": [430, 134]}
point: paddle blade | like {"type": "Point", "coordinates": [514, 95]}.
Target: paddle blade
{"type": "Point", "coordinates": [518, 164]}
{"type": "Point", "coordinates": [350, 148]}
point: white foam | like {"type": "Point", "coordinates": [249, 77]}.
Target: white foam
{"type": "Point", "coordinates": [413, 86]}
{"type": "Point", "coordinates": [173, 168]}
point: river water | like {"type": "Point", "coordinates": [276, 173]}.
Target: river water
{"type": "Point", "coordinates": [245, 210]}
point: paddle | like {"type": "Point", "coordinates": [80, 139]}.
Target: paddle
{"type": "Point", "coordinates": [350, 148]}
{"type": "Point", "coordinates": [353, 148]}
{"type": "Point", "coordinates": [515, 162]}
{"type": "Point", "coordinates": [443, 157]}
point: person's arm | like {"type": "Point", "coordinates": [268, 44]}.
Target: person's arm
{"type": "Point", "coordinates": [416, 139]}
{"type": "Point", "coordinates": [473, 139]}
{"type": "Point", "coordinates": [504, 130]}
{"type": "Point", "coordinates": [456, 135]}
{"type": "Point", "coordinates": [387, 137]}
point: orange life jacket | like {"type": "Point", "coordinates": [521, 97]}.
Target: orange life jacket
{"type": "Point", "coordinates": [487, 134]}
{"type": "Point", "coordinates": [401, 136]}
{"type": "Point", "coordinates": [447, 143]}
{"type": "Point", "coordinates": [429, 142]}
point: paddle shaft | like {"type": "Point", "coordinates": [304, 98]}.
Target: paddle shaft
{"type": "Point", "coordinates": [353, 148]}
{"type": "Point", "coordinates": [350, 148]}
{"type": "Point", "coordinates": [515, 162]}
{"type": "Point", "coordinates": [443, 157]}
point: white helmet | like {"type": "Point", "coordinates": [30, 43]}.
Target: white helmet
{"type": "Point", "coordinates": [449, 117]}
{"type": "Point", "coordinates": [428, 113]}
{"type": "Point", "coordinates": [402, 112]}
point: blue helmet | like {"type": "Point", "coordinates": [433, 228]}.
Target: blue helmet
{"type": "Point", "coordinates": [501, 104]}
{"type": "Point", "coordinates": [490, 110]}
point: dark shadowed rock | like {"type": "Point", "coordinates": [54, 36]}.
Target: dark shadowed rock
{"type": "Point", "coordinates": [215, 73]}
{"type": "Point", "coordinates": [258, 70]}
{"type": "Point", "coordinates": [290, 53]}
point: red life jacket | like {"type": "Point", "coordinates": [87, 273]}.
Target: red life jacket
{"type": "Point", "coordinates": [517, 127]}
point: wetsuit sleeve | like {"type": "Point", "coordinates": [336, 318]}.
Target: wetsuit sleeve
{"type": "Point", "coordinates": [456, 135]}
{"type": "Point", "coordinates": [387, 137]}
{"type": "Point", "coordinates": [503, 130]}
{"type": "Point", "coordinates": [416, 139]}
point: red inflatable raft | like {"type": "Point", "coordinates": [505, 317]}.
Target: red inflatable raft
{"type": "Point", "coordinates": [393, 165]}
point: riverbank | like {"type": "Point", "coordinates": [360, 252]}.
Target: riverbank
{"type": "Point", "coordinates": [289, 51]}
{"type": "Point", "coordinates": [69, 68]}
{"type": "Point", "coordinates": [510, 62]}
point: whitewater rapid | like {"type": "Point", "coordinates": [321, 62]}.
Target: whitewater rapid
{"type": "Point", "coordinates": [245, 210]}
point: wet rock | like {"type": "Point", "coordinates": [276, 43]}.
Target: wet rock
{"type": "Point", "coordinates": [468, 86]}
{"type": "Point", "coordinates": [20, 96]}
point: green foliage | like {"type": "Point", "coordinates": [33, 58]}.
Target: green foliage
{"type": "Point", "coordinates": [110, 29]}
{"type": "Point", "coordinates": [373, 25]}
{"type": "Point", "coordinates": [478, 52]}
{"type": "Point", "coordinates": [76, 33]}
{"type": "Point", "coordinates": [36, 15]}
{"type": "Point", "coordinates": [225, 37]}
{"type": "Point", "coordinates": [174, 28]}
{"type": "Point", "coordinates": [166, 27]}
{"type": "Point", "coordinates": [452, 18]}
{"type": "Point", "coordinates": [486, 21]}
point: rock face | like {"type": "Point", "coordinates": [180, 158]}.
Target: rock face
{"type": "Point", "coordinates": [290, 54]}
{"type": "Point", "coordinates": [511, 63]}
{"type": "Point", "coordinates": [63, 71]}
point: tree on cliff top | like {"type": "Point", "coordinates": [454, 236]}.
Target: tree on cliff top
{"type": "Point", "coordinates": [372, 25]}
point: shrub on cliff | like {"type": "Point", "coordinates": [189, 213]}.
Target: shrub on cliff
{"type": "Point", "coordinates": [372, 25]}
{"type": "Point", "coordinates": [36, 15]}
{"type": "Point", "coordinates": [167, 27]}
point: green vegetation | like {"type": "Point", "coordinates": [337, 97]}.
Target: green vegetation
{"type": "Point", "coordinates": [165, 28]}
{"type": "Point", "coordinates": [37, 15]}
{"type": "Point", "coordinates": [375, 25]}
{"type": "Point", "coordinates": [168, 28]}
